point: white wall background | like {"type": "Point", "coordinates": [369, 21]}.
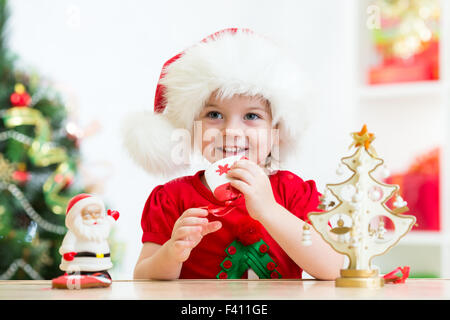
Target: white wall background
{"type": "Point", "coordinates": [106, 56]}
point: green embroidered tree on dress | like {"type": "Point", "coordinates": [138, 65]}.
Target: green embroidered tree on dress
{"type": "Point", "coordinates": [241, 257]}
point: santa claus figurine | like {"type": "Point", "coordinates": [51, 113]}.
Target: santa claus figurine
{"type": "Point", "coordinates": [85, 250]}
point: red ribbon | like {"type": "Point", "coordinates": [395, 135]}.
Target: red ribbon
{"type": "Point", "coordinates": [391, 277]}
{"type": "Point", "coordinates": [220, 211]}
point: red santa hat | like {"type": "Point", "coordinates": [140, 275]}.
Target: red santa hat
{"type": "Point", "coordinates": [78, 202]}
{"type": "Point", "coordinates": [232, 61]}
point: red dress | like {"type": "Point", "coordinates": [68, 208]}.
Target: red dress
{"type": "Point", "coordinates": [167, 202]}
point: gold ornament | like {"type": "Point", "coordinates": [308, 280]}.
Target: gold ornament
{"type": "Point", "coordinates": [19, 88]}
{"type": "Point", "coordinates": [340, 229]}
{"type": "Point", "coordinates": [6, 170]}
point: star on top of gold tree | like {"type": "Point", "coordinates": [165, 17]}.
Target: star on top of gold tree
{"type": "Point", "coordinates": [363, 138]}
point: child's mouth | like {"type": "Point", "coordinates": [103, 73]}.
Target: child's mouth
{"type": "Point", "coordinates": [232, 151]}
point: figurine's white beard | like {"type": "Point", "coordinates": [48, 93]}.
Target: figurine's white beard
{"type": "Point", "coordinates": [92, 232]}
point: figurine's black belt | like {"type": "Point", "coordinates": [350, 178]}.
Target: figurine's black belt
{"type": "Point", "coordinates": [91, 254]}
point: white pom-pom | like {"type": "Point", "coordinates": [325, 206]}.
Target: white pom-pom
{"type": "Point", "coordinates": [385, 172]}
{"type": "Point", "coordinates": [357, 197]}
{"type": "Point", "coordinates": [347, 192]}
{"type": "Point", "coordinates": [340, 170]}
{"type": "Point", "coordinates": [376, 194]}
{"type": "Point", "coordinates": [399, 202]}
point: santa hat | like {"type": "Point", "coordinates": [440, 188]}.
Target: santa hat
{"type": "Point", "coordinates": [78, 202]}
{"type": "Point", "coordinates": [232, 61]}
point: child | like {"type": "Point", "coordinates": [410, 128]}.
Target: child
{"type": "Point", "coordinates": [234, 83]}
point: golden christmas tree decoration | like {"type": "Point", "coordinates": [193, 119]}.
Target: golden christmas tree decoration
{"type": "Point", "coordinates": [361, 212]}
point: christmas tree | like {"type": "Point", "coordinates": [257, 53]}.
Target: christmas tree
{"type": "Point", "coordinates": [38, 170]}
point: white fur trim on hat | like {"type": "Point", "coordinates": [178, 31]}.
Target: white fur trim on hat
{"type": "Point", "coordinates": [240, 62]}
{"type": "Point", "coordinates": [148, 139]}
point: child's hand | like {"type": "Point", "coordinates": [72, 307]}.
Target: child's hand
{"type": "Point", "coordinates": [189, 230]}
{"type": "Point", "coordinates": [254, 183]}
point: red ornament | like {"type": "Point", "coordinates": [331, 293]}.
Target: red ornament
{"type": "Point", "coordinates": [21, 176]}
{"type": "Point", "coordinates": [20, 100]}
{"type": "Point", "coordinates": [223, 275]}
{"type": "Point", "coordinates": [59, 178]}
{"type": "Point", "coordinates": [248, 231]}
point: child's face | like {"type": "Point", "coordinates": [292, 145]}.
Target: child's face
{"type": "Point", "coordinates": [240, 125]}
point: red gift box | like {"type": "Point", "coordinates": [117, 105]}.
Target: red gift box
{"type": "Point", "coordinates": [419, 187]}
{"type": "Point", "coordinates": [420, 67]}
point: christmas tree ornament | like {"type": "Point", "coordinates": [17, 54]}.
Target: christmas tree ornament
{"type": "Point", "coordinates": [399, 202]}
{"type": "Point", "coordinates": [11, 172]}
{"type": "Point", "coordinates": [340, 170]}
{"type": "Point", "coordinates": [385, 173]}
{"type": "Point", "coordinates": [219, 183]}
{"type": "Point", "coordinates": [306, 237]}
{"type": "Point", "coordinates": [21, 177]}
{"type": "Point", "coordinates": [342, 230]}
{"type": "Point", "coordinates": [43, 153]}
{"type": "Point", "coordinates": [6, 170]}
{"type": "Point", "coordinates": [20, 98]}
{"type": "Point", "coordinates": [218, 180]}
{"type": "Point", "coordinates": [326, 201]}
{"type": "Point", "coordinates": [85, 250]}
{"type": "Point", "coordinates": [381, 230]}
{"type": "Point", "coordinates": [362, 200]}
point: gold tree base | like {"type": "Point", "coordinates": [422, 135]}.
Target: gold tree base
{"type": "Point", "coordinates": [351, 278]}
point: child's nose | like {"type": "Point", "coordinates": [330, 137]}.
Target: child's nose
{"type": "Point", "coordinates": [233, 122]}
{"type": "Point", "coordinates": [234, 136]}
{"type": "Point", "coordinates": [234, 132]}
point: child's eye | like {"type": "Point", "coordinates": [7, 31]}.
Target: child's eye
{"type": "Point", "coordinates": [214, 115]}
{"type": "Point", "coordinates": [252, 116]}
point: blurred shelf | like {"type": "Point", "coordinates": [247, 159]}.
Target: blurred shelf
{"type": "Point", "coordinates": [427, 252]}
{"type": "Point", "coordinates": [402, 90]}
